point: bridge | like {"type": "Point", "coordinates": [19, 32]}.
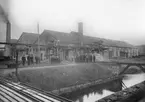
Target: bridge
{"type": "Point", "coordinates": [139, 64]}
{"type": "Point", "coordinates": [133, 94]}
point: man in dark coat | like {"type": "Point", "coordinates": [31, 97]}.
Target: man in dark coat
{"type": "Point", "coordinates": [23, 60]}
{"type": "Point", "coordinates": [31, 59]}
{"type": "Point", "coordinates": [28, 59]}
{"type": "Point", "coordinates": [94, 58]}
{"type": "Point", "coordinates": [36, 59]}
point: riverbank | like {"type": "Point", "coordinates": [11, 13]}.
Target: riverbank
{"type": "Point", "coordinates": [94, 93]}
{"type": "Point", "coordinates": [56, 77]}
{"type": "Point", "coordinates": [133, 94]}
{"type": "Point", "coordinates": [133, 70]}
{"type": "Point", "coordinates": [68, 90]}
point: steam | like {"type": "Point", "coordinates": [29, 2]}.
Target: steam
{"type": "Point", "coordinates": [3, 15]}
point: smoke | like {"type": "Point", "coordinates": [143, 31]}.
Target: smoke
{"type": "Point", "coordinates": [3, 15]}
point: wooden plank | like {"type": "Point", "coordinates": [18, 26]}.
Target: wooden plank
{"type": "Point", "coordinates": [3, 99]}
{"type": "Point", "coordinates": [18, 96]}
{"type": "Point", "coordinates": [12, 95]}
{"type": "Point", "coordinates": [7, 96]}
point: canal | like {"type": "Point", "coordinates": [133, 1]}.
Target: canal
{"type": "Point", "coordinates": [97, 92]}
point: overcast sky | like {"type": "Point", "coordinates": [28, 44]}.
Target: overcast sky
{"type": "Point", "coordinates": [112, 19]}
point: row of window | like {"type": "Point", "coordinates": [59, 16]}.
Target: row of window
{"type": "Point", "coordinates": [36, 49]}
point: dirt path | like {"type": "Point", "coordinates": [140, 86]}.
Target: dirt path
{"type": "Point", "coordinates": [4, 71]}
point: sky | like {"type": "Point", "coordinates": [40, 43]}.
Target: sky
{"type": "Point", "coordinates": [112, 19]}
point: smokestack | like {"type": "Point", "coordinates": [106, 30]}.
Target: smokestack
{"type": "Point", "coordinates": [80, 31]}
{"type": "Point", "coordinates": [8, 39]}
{"type": "Point", "coordinates": [80, 27]}
{"type": "Point", "coordinates": [4, 16]}
{"type": "Point", "coordinates": [8, 32]}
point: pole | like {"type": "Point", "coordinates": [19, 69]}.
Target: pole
{"type": "Point", "coordinates": [17, 65]}
{"type": "Point", "coordinates": [38, 40]}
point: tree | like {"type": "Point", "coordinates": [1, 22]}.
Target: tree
{"type": "Point", "coordinates": [98, 46]}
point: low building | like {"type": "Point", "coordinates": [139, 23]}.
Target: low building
{"type": "Point", "coordinates": [26, 38]}
{"type": "Point", "coordinates": [141, 50]}
{"type": "Point", "coordinates": [69, 45]}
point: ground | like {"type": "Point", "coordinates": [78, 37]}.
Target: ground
{"type": "Point", "coordinates": [54, 77]}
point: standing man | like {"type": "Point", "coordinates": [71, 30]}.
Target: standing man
{"type": "Point", "coordinates": [23, 60]}
{"type": "Point", "coordinates": [31, 58]}
{"type": "Point", "coordinates": [86, 58]}
{"type": "Point", "coordinates": [36, 59]}
{"type": "Point", "coordinates": [28, 59]}
{"type": "Point", "coordinates": [94, 57]}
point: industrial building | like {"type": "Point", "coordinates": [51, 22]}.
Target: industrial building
{"type": "Point", "coordinates": [69, 45]}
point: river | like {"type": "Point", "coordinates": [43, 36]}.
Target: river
{"type": "Point", "coordinates": [95, 93]}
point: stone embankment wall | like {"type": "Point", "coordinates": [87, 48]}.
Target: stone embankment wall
{"type": "Point", "coordinates": [70, 89]}
{"type": "Point", "coordinates": [58, 77]}
{"type": "Point", "coordinates": [133, 94]}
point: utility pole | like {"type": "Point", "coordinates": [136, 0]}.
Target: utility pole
{"type": "Point", "coordinates": [38, 40]}
{"type": "Point", "coordinates": [17, 64]}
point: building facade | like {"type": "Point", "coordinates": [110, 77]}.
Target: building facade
{"type": "Point", "coordinates": [67, 46]}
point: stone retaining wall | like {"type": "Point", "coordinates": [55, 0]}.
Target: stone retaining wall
{"type": "Point", "coordinates": [132, 94]}
{"type": "Point", "coordinates": [86, 85]}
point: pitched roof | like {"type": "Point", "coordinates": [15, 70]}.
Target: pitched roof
{"type": "Point", "coordinates": [107, 42]}
{"type": "Point", "coordinates": [45, 38]}
{"type": "Point", "coordinates": [28, 38]}
{"type": "Point", "coordinates": [72, 38]}
{"type": "Point", "coordinates": [117, 43]}
{"type": "Point", "coordinates": [49, 35]}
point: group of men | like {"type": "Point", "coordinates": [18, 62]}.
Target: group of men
{"type": "Point", "coordinates": [29, 59]}
{"type": "Point", "coordinates": [88, 57]}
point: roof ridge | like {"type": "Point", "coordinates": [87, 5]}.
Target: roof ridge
{"type": "Point", "coordinates": [30, 33]}
{"type": "Point", "coordinates": [56, 31]}
{"type": "Point", "coordinates": [109, 39]}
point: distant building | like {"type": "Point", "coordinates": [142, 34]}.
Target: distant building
{"type": "Point", "coordinates": [69, 45]}
{"type": "Point", "coordinates": [141, 49]}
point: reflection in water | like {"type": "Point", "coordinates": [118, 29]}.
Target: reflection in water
{"type": "Point", "coordinates": [95, 93]}
{"type": "Point", "coordinates": [133, 79]}
{"type": "Point", "coordinates": [93, 96]}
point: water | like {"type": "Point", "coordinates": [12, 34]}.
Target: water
{"type": "Point", "coordinates": [97, 92]}
{"type": "Point", "coordinates": [131, 80]}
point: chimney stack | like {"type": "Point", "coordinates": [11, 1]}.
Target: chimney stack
{"type": "Point", "coordinates": [8, 39]}
{"type": "Point", "coordinates": [80, 27]}
{"type": "Point", "coordinates": [8, 32]}
{"type": "Point", "coordinates": [80, 31]}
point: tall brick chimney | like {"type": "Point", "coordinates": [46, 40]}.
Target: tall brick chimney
{"type": "Point", "coordinates": [8, 32]}
{"type": "Point", "coordinates": [80, 32]}
{"type": "Point", "coordinates": [8, 39]}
